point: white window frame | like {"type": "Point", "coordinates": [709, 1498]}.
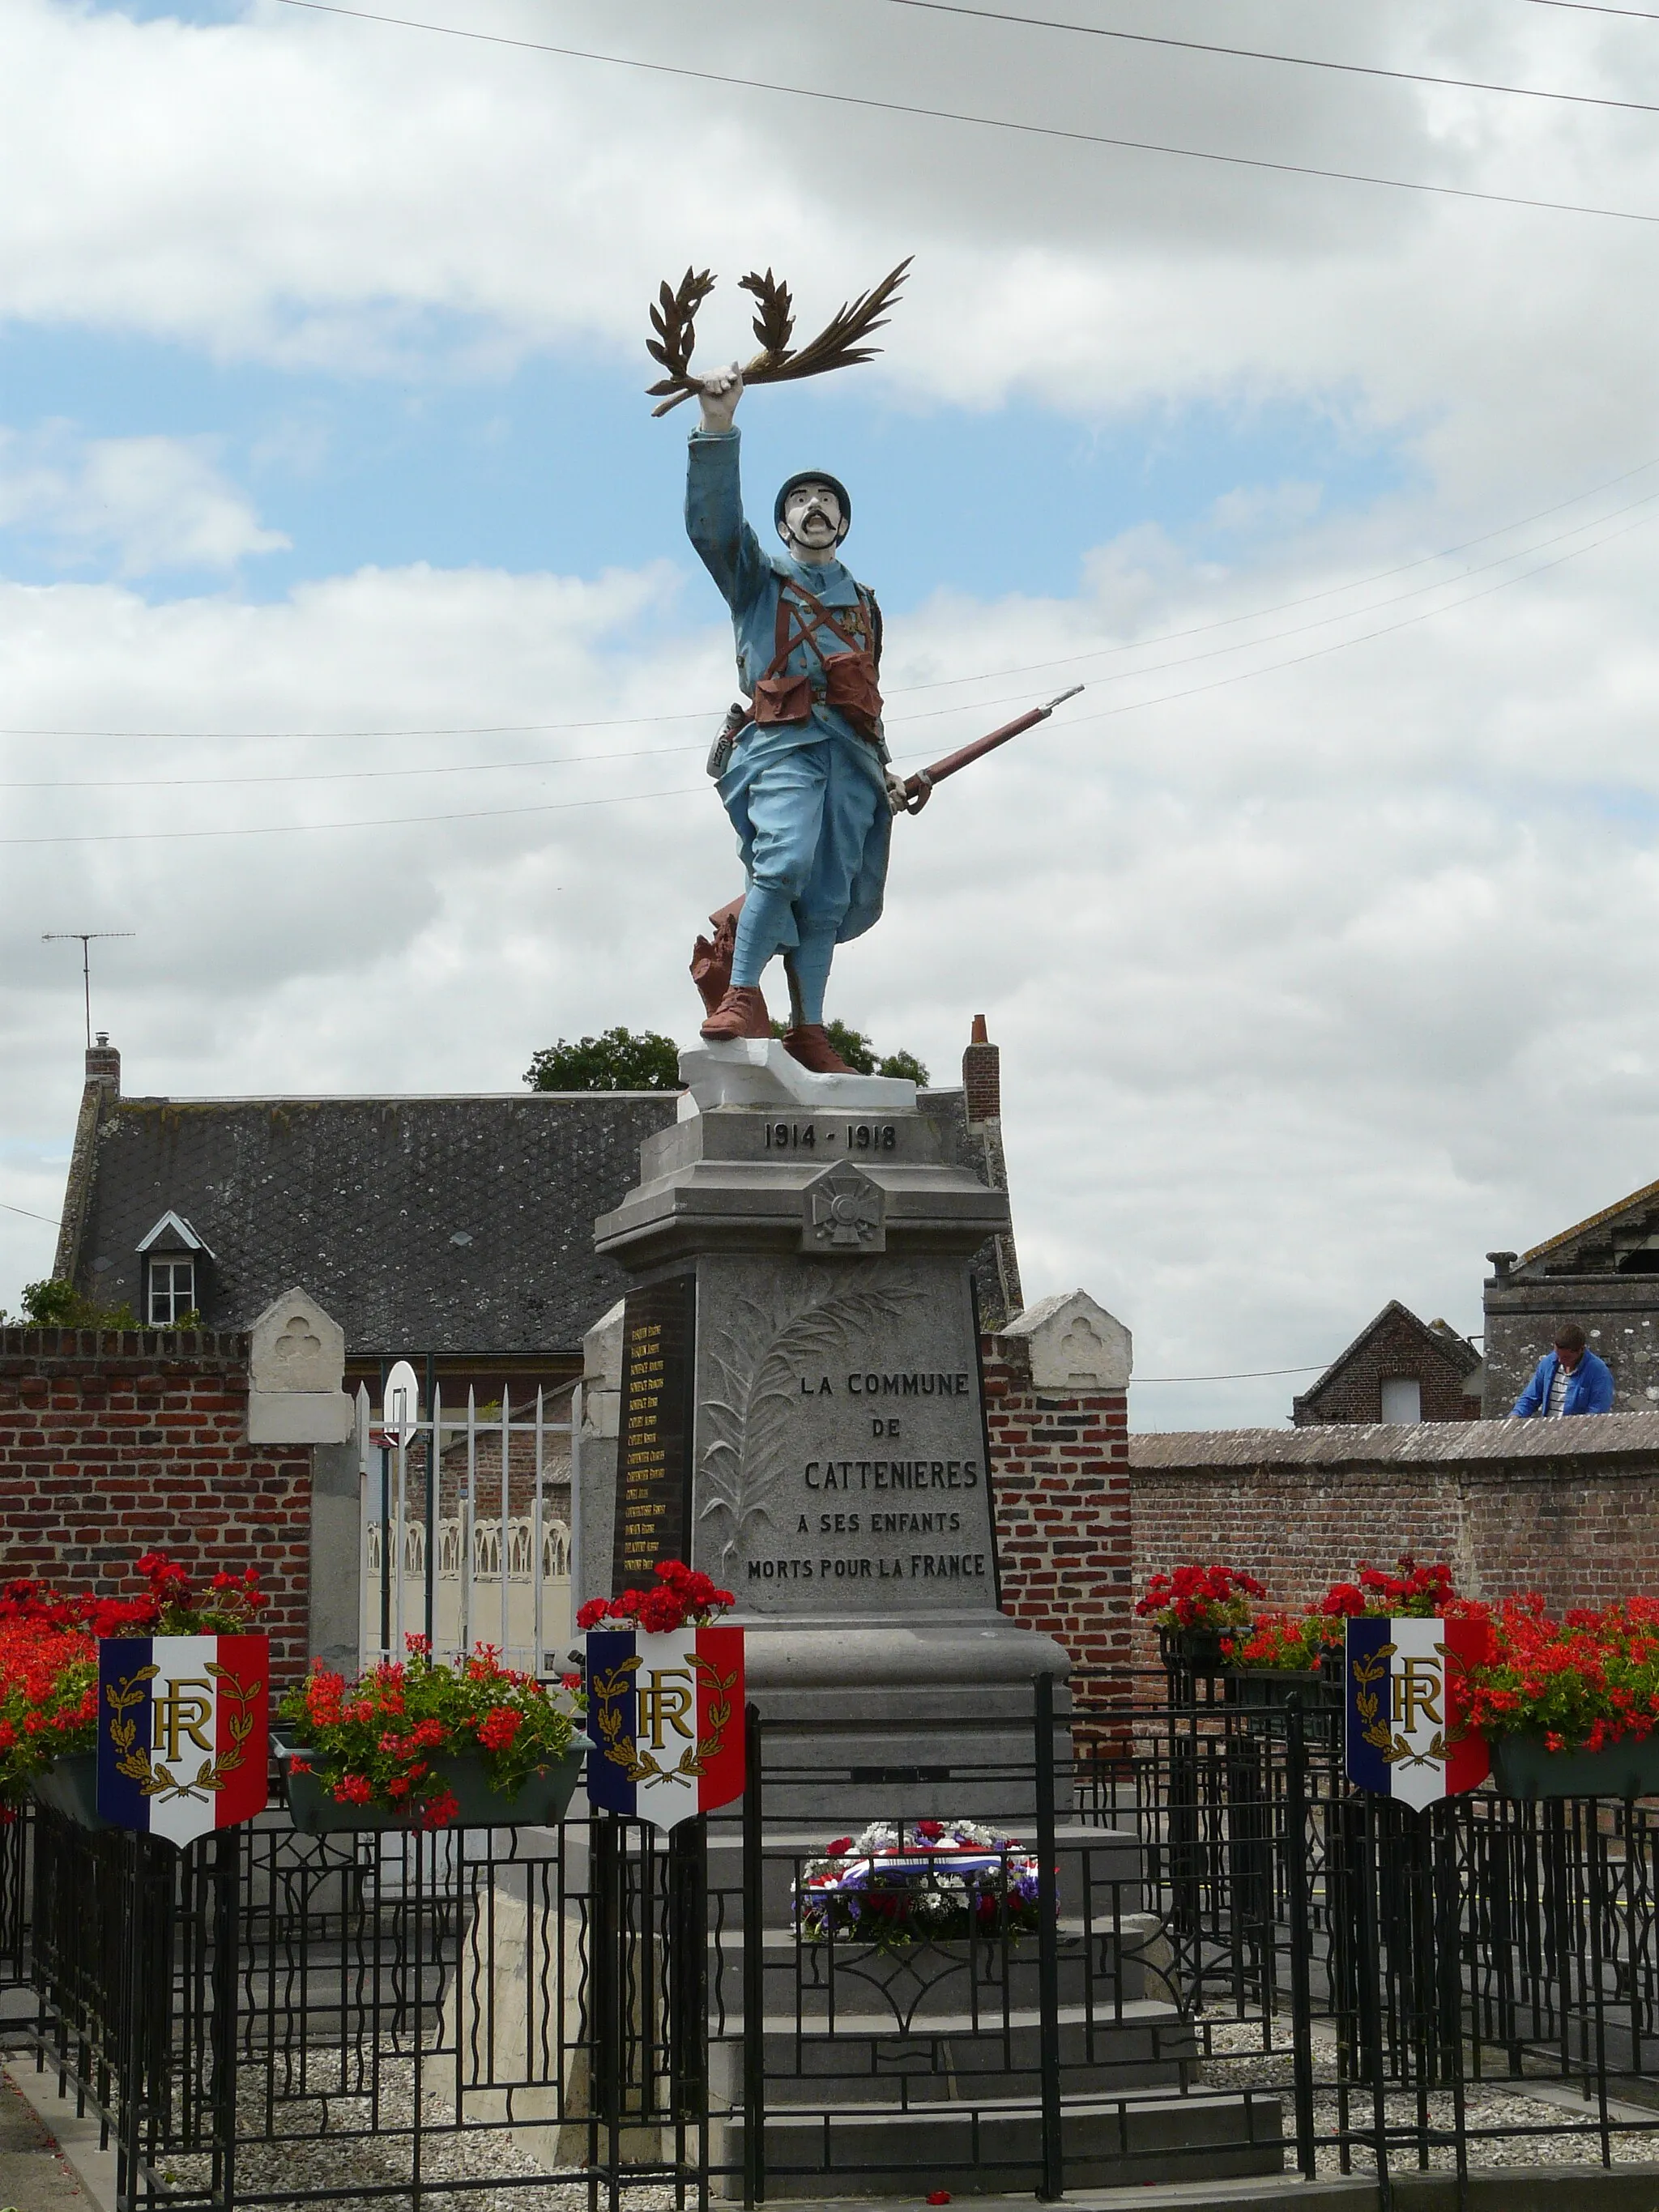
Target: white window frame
{"type": "Point", "coordinates": [164, 1307]}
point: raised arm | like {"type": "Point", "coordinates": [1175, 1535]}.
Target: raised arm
{"type": "Point", "coordinates": [727, 546]}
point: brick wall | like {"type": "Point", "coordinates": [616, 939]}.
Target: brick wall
{"type": "Point", "coordinates": [1396, 1346]}
{"type": "Point", "coordinates": [112, 1444]}
{"type": "Point", "coordinates": [1568, 1508]}
{"type": "Point", "coordinates": [1059, 1471]}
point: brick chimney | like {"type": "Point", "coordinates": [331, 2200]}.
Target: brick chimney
{"type": "Point", "coordinates": [104, 1063]}
{"type": "Point", "coordinates": [981, 1075]}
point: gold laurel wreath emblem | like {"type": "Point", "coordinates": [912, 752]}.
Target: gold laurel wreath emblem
{"type": "Point", "coordinates": [638, 1762]}
{"type": "Point", "coordinates": [1375, 1730]}
{"type": "Point", "coordinates": [156, 1779]}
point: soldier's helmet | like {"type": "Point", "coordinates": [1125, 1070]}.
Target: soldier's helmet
{"type": "Point", "coordinates": [813, 476]}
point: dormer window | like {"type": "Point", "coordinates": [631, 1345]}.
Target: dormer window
{"type": "Point", "coordinates": [170, 1291]}
{"type": "Point", "coordinates": [171, 1255]}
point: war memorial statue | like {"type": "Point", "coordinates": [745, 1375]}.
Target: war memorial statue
{"type": "Point", "coordinates": [788, 1395]}
{"type": "Point", "coordinates": [802, 765]}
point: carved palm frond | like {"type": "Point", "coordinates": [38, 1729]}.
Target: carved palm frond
{"type": "Point", "coordinates": [748, 1415]}
{"type": "Point", "coordinates": [841, 343]}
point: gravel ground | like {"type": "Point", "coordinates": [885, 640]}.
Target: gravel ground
{"type": "Point", "coordinates": [1240, 2063]}
{"type": "Point", "coordinates": [335, 2162]}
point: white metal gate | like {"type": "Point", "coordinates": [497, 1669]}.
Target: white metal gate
{"type": "Point", "coordinates": [467, 1527]}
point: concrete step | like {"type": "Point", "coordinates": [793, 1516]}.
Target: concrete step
{"type": "Point", "coordinates": [919, 1979]}
{"type": "Point", "coordinates": [1145, 2046]}
{"type": "Point", "coordinates": [997, 2145]}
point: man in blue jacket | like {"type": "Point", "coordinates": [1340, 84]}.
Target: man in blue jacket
{"type": "Point", "coordinates": [1569, 1380]}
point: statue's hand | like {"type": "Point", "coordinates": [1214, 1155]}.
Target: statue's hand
{"type": "Point", "coordinates": [718, 394]}
{"type": "Point", "coordinates": [901, 801]}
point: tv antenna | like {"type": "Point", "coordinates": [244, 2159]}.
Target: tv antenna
{"type": "Point", "coordinates": [83, 937]}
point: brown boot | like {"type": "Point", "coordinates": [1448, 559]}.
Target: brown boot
{"type": "Point", "coordinates": [740, 1014]}
{"type": "Point", "coordinates": [809, 1044]}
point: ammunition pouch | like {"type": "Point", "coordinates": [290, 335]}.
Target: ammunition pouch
{"type": "Point", "coordinates": [849, 686]}
{"type": "Point", "coordinates": [782, 699]}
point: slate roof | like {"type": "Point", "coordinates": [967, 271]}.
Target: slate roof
{"type": "Point", "coordinates": [446, 1224]}
{"type": "Point", "coordinates": [1591, 1247]}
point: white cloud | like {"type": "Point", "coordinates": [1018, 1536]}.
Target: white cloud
{"type": "Point", "coordinates": [306, 188]}
{"type": "Point", "coordinates": [1311, 988]}
{"type": "Point", "coordinates": [151, 503]}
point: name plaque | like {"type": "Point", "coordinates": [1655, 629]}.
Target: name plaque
{"type": "Point", "coordinates": [653, 1458]}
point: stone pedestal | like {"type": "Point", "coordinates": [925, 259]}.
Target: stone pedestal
{"type": "Point", "coordinates": [828, 1460]}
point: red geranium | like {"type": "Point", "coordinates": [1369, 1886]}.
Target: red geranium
{"type": "Point", "coordinates": [48, 1700]}
{"type": "Point", "coordinates": [1587, 1680]}
{"type": "Point", "coordinates": [1294, 1641]}
{"type": "Point", "coordinates": [1200, 1597]}
{"type": "Point", "coordinates": [374, 1742]}
{"type": "Point", "coordinates": [1421, 1593]}
{"type": "Point", "coordinates": [681, 1594]}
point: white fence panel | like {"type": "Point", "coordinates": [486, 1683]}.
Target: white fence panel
{"type": "Point", "coordinates": [466, 1521]}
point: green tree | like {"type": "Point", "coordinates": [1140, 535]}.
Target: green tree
{"type": "Point", "coordinates": [861, 1056]}
{"type": "Point", "coordinates": [618, 1060]}
{"type": "Point", "coordinates": [50, 1304]}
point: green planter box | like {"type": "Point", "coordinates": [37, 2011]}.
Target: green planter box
{"type": "Point", "coordinates": [1194, 1650]}
{"type": "Point", "coordinates": [1277, 1686]}
{"type": "Point", "coordinates": [1263, 1693]}
{"type": "Point", "coordinates": [70, 1786]}
{"type": "Point", "coordinates": [1523, 1767]}
{"type": "Point", "coordinates": [540, 1804]}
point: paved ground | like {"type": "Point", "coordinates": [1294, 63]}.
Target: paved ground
{"type": "Point", "coordinates": [32, 2178]}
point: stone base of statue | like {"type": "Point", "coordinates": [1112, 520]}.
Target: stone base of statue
{"type": "Point", "coordinates": [797, 1410]}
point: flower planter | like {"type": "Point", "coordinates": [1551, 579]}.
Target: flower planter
{"type": "Point", "coordinates": [1264, 1693]}
{"type": "Point", "coordinates": [1524, 1766]}
{"type": "Point", "coordinates": [70, 1786]}
{"type": "Point", "coordinates": [540, 1803]}
{"type": "Point", "coordinates": [1194, 1650]}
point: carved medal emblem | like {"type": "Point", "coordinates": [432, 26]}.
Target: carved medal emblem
{"type": "Point", "coordinates": [843, 1211]}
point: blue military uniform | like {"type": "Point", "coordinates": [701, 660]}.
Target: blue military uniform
{"type": "Point", "coordinates": [808, 799]}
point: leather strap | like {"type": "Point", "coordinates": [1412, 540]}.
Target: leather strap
{"type": "Point", "coordinates": [786, 635]}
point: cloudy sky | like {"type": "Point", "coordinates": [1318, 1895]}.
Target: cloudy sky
{"type": "Point", "coordinates": [351, 655]}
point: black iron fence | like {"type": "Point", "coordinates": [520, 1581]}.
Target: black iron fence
{"type": "Point", "coordinates": [1232, 1965]}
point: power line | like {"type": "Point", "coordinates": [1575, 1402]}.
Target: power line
{"type": "Point", "coordinates": [979, 122]}
{"type": "Point", "coordinates": [1286, 606]}
{"type": "Point", "coordinates": [1341, 644]}
{"type": "Point", "coordinates": [659, 752]}
{"type": "Point", "coordinates": [901, 691]}
{"type": "Point", "coordinates": [1244, 1375]}
{"type": "Point", "coordinates": [27, 1216]}
{"type": "Point", "coordinates": [1260, 54]}
{"type": "Point", "coordinates": [565, 805]}
{"type": "Point", "coordinates": [1599, 8]}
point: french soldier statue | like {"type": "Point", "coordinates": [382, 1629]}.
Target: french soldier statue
{"type": "Point", "coordinates": [802, 769]}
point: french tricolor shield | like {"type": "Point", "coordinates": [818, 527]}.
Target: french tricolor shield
{"type": "Point", "coordinates": [665, 1714]}
{"type": "Point", "coordinates": [182, 1732]}
{"type": "Point", "coordinates": [1407, 1703]}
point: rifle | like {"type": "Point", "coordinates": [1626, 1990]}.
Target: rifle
{"type": "Point", "coordinates": [917, 788]}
